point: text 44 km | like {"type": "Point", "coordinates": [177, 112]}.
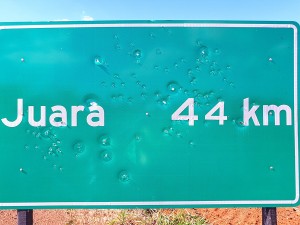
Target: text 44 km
{"type": "Point", "coordinates": [249, 113]}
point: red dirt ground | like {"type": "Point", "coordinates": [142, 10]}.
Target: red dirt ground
{"type": "Point", "coordinates": [251, 216]}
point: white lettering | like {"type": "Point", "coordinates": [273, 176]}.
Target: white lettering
{"type": "Point", "coordinates": [62, 115]}
{"type": "Point", "coordinates": [19, 115]}
{"type": "Point", "coordinates": [41, 122]}
{"type": "Point", "coordinates": [99, 115]}
{"type": "Point", "coordinates": [277, 110]}
{"type": "Point", "coordinates": [75, 110]}
{"type": "Point", "coordinates": [250, 114]}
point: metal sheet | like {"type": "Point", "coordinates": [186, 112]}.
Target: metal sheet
{"type": "Point", "coordinates": [87, 109]}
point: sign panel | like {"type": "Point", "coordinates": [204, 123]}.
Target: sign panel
{"type": "Point", "coordinates": [149, 114]}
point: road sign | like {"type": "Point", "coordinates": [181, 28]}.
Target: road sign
{"type": "Point", "coordinates": [149, 114]}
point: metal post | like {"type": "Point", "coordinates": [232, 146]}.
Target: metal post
{"type": "Point", "coordinates": [269, 216]}
{"type": "Point", "coordinates": [25, 217]}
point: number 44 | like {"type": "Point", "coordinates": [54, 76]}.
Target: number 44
{"type": "Point", "coordinates": [191, 117]}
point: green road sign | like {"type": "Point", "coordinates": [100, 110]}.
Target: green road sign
{"type": "Point", "coordinates": [149, 114]}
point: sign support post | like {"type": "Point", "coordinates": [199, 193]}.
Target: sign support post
{"type": "Point", "coordinates": [269, 216]}
{"type": "Point", "coordinates": [25, 217]}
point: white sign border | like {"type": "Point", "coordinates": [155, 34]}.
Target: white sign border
{"type": "Point", "coordinates": [178, 203]}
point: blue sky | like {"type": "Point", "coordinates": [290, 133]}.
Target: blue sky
{"type": "Point", "coordinates": [35, 10]}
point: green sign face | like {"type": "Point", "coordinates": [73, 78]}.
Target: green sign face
{"type": "Point", "coordinates": [149, 114]}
